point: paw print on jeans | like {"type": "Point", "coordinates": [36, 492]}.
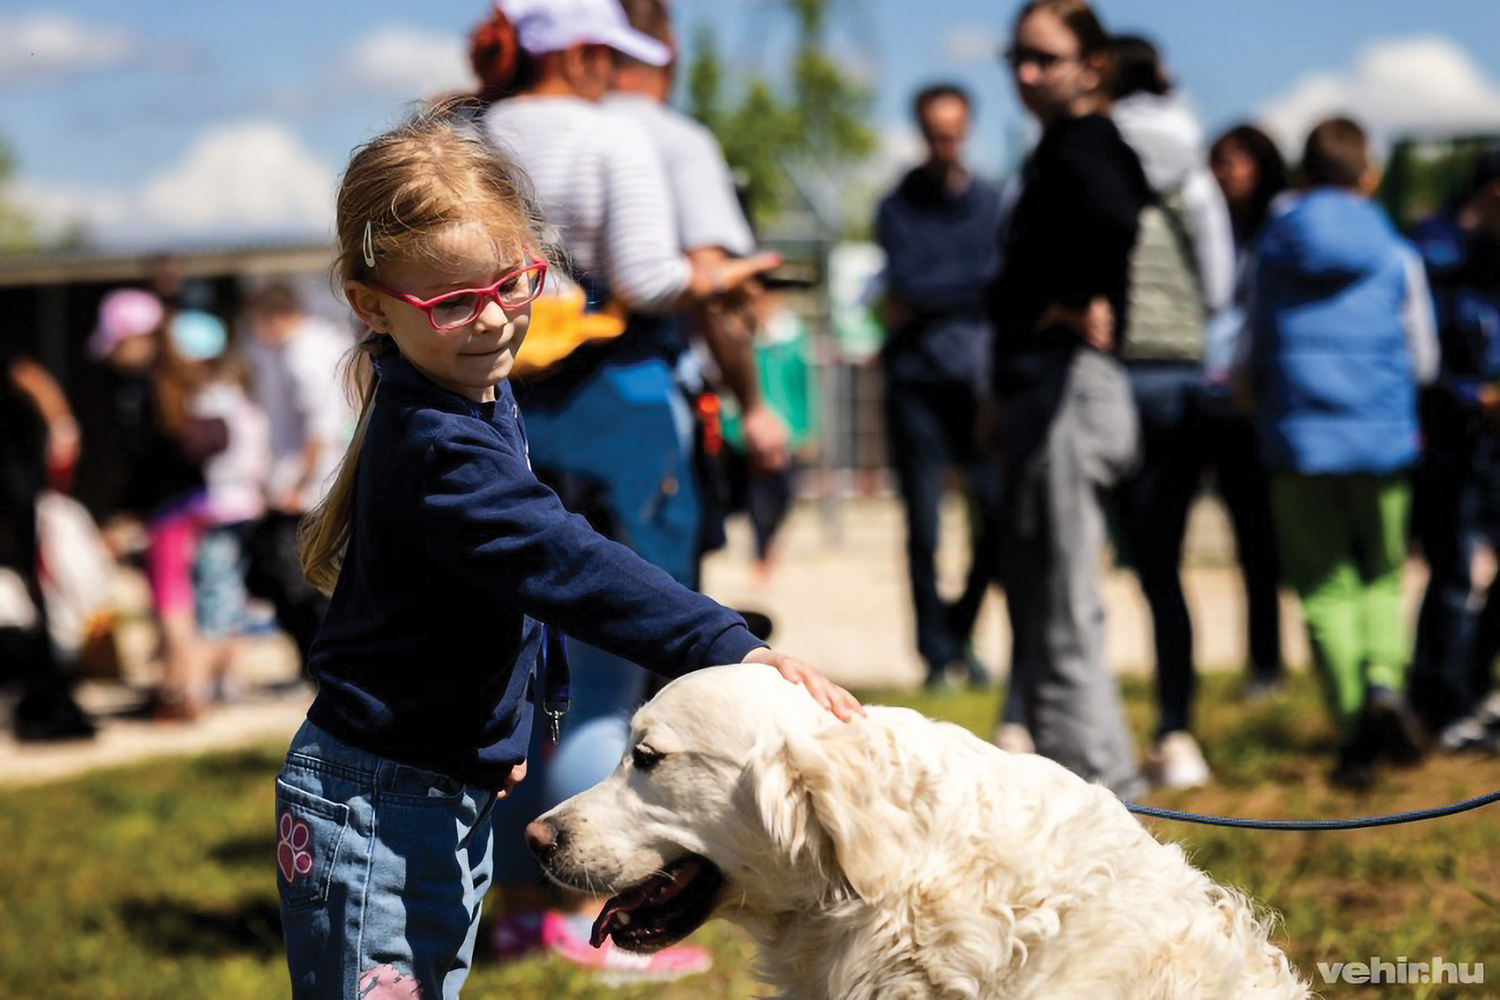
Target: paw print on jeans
{"type": "Point", "coordinates": [292, 853]}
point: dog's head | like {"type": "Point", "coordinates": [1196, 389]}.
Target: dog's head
{"type": "Point", "coordinates": [739, 792]}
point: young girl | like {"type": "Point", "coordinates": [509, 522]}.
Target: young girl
{"type": "Point", "coordinates": [236, 481]}
{"type": "Point", "coordinates": [445, 556]}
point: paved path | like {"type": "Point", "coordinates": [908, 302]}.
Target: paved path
{"type": "Point", "coordinates": [838, 597]}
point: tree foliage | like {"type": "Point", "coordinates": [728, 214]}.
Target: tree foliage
{"type": "Point", "coordinates": [820, 117]}
{"type": "Point", "coordinates": [17, 233]}
{"type": "Point", "coordinates": [1422, 176]}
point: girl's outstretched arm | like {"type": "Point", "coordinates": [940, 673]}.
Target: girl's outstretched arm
{"type": "Point", "coordinates": [826, 693]}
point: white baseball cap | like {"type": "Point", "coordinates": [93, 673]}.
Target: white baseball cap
{"type": "Point", "coordinates": [544, 26]}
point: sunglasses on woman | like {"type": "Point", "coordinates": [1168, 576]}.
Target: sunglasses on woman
{"type": "Point", "coordinates": [1019, 55]}
{"type": "Point", "coordinates": [452, 310]}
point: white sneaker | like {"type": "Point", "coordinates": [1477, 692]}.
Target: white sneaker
{"type": "Point", "coordinates": [1177, 762]}
{"type": "Point", "coordinates": [1489, 712]}
{"type": "Point", "coordinates": [1012, 737]}
{"type": "Point", "coordinates": [1467, 735]}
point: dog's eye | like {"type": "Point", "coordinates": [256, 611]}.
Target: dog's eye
{"type": "Point", "coordinates": [644, 757]}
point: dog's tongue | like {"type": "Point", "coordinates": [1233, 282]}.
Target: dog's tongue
{"type": "Point", "coordinates": [627, 900]}
{"type": "Point", "coordinates": [659, 888]}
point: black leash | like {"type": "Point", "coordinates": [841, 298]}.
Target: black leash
{"type": "Point", "coordinates": [1390, 819]}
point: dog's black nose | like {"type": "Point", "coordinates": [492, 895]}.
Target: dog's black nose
{"type": "Point", "coordinates": [541, 836]}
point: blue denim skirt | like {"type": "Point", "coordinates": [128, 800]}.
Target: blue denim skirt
{"type": "Point", "coordinates": [381, 869]}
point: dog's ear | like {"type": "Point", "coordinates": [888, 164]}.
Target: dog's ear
{"type": "Point", "coordinates": [772, 781]}
{"type": "Point", "coordinates": [849, 786]}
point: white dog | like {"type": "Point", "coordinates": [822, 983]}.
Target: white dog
{"type": "Point", "coordinates": [892, 857]}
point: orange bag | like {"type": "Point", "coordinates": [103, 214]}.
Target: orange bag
{"type": "Point", "coordinates": [559, 326]}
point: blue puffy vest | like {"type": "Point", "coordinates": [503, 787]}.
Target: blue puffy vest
{"type": "Point", "coordinates": [1333, 371]}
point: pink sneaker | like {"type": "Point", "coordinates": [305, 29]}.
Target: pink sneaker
{"type": "Point", "coordinates": [614, 966]}
{"type": "Point", "coordinates": [517, 935]}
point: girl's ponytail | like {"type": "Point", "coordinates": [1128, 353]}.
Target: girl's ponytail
{"type": "Point", "coordinates": [325, 530]}
{"type": "Point", "coordinates": [503, 67]}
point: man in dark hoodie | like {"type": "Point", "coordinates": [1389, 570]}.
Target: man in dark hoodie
{"type": "Point", "coordinates": [938, 232]}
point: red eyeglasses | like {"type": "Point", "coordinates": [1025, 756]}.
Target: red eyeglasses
{"type": "Point", "coordinates": [452, 310]}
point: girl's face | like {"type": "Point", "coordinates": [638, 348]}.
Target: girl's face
{"type": "Point", "coordinates": [469, 359]}
{"type": "Point", "coordinates": [1052, 78]}
{"type": "Point", "coordinates": [589, 69]}
{"type": "Point", "coordinates": [1234, 170]}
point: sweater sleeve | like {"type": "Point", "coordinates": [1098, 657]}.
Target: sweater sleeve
{"type": "Point", "coordinates": [491, 525]}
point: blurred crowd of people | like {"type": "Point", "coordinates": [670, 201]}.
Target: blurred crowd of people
{"type": "Point", "coordinates": [1138, 311]}
{"type": "Point", "coordinates": [224, 440]}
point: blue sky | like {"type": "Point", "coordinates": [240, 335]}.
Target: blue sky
{"type": "Point", "coordinates": [161, 118]}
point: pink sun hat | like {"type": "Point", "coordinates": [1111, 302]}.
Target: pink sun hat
{"type": "Point", "coordinates": [123, 313]}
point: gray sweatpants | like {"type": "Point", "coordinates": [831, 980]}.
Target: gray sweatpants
{"type": "Point", "coordinates": [1052, 553]}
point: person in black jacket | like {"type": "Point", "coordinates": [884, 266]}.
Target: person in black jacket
{"type": "Point", "coordinates": [1456, 481]}
{"type": "Point", "coordinates": [937, 229]}
{"type": "Point", "coordinates": [36, 430]}
{"type": "Point", "coordinates": [1067, 429]}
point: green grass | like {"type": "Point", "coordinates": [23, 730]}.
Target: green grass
{"type": "Point", "coordinates": [158, 881]}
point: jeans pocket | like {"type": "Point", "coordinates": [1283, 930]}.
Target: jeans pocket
{"type": "Point", "coordinates": [414, 786]}
{"type": "Point", "coordinates": [309, 832]}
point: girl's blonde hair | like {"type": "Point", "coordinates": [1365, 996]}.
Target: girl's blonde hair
{"type": "Point", "coordinates": [400, 190]}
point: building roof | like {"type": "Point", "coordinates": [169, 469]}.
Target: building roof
{"type": "Point", "coordinates": [67, 267]}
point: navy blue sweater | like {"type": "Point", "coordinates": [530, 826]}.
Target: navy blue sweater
{"type": "Point", "coordinates": [942, 252]}
{"type": "Point", "coordinates": [428, 652]}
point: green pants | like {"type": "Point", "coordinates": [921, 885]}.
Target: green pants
{"type": "Point", "coordinates": [1342, 540]}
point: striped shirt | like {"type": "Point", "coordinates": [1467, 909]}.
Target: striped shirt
{"type": "Point", "coordinates": [708, 210]}
{"type": "Point", "coordinates": [604, 190]}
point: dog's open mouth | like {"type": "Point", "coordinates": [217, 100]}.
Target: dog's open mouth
{"type": "Point", "coordinates": [663, 909]}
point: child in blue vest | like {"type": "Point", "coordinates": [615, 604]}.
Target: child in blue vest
{"type": "Point", "coordinates": [445, 557]}
{"type": "Point", "coordinates": [1340, 334]}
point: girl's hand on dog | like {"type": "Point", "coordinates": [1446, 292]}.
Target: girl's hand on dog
{"type": "Point", "coordinates": [826, 693]}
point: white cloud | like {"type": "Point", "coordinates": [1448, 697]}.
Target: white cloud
{"type": "Point", "coordinates": [243, 180]}
{"type": "Point", "coordinates": [1424, 86]}
{"type": "Point", "coordinates": [44, 47]}
{"type": "Point", "coordinates": [970, 43]}
{"type": "Point", "coordinates": [404, 62]}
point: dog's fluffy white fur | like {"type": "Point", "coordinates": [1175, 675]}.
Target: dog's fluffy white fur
{"type": "Point", "coordinates": [898, 857]}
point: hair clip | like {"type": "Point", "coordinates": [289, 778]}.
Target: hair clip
{"type": "Point", "coordinates": [369, 246]}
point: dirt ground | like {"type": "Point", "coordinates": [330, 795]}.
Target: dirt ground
{"type": "Point", "coordinates": [837, 595]}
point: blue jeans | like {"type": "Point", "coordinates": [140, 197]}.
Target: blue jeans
{"type": "Point", "coordinates": [1232, 449]}
{"type": "Point", "coordinates": [381, 871]}
{"type": "Point", "coordinates": [930, 428]}
{"type": "Point", "coordinates": [1455, 645]}
{"type": "Point", "coordinates": [1154, 505]}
